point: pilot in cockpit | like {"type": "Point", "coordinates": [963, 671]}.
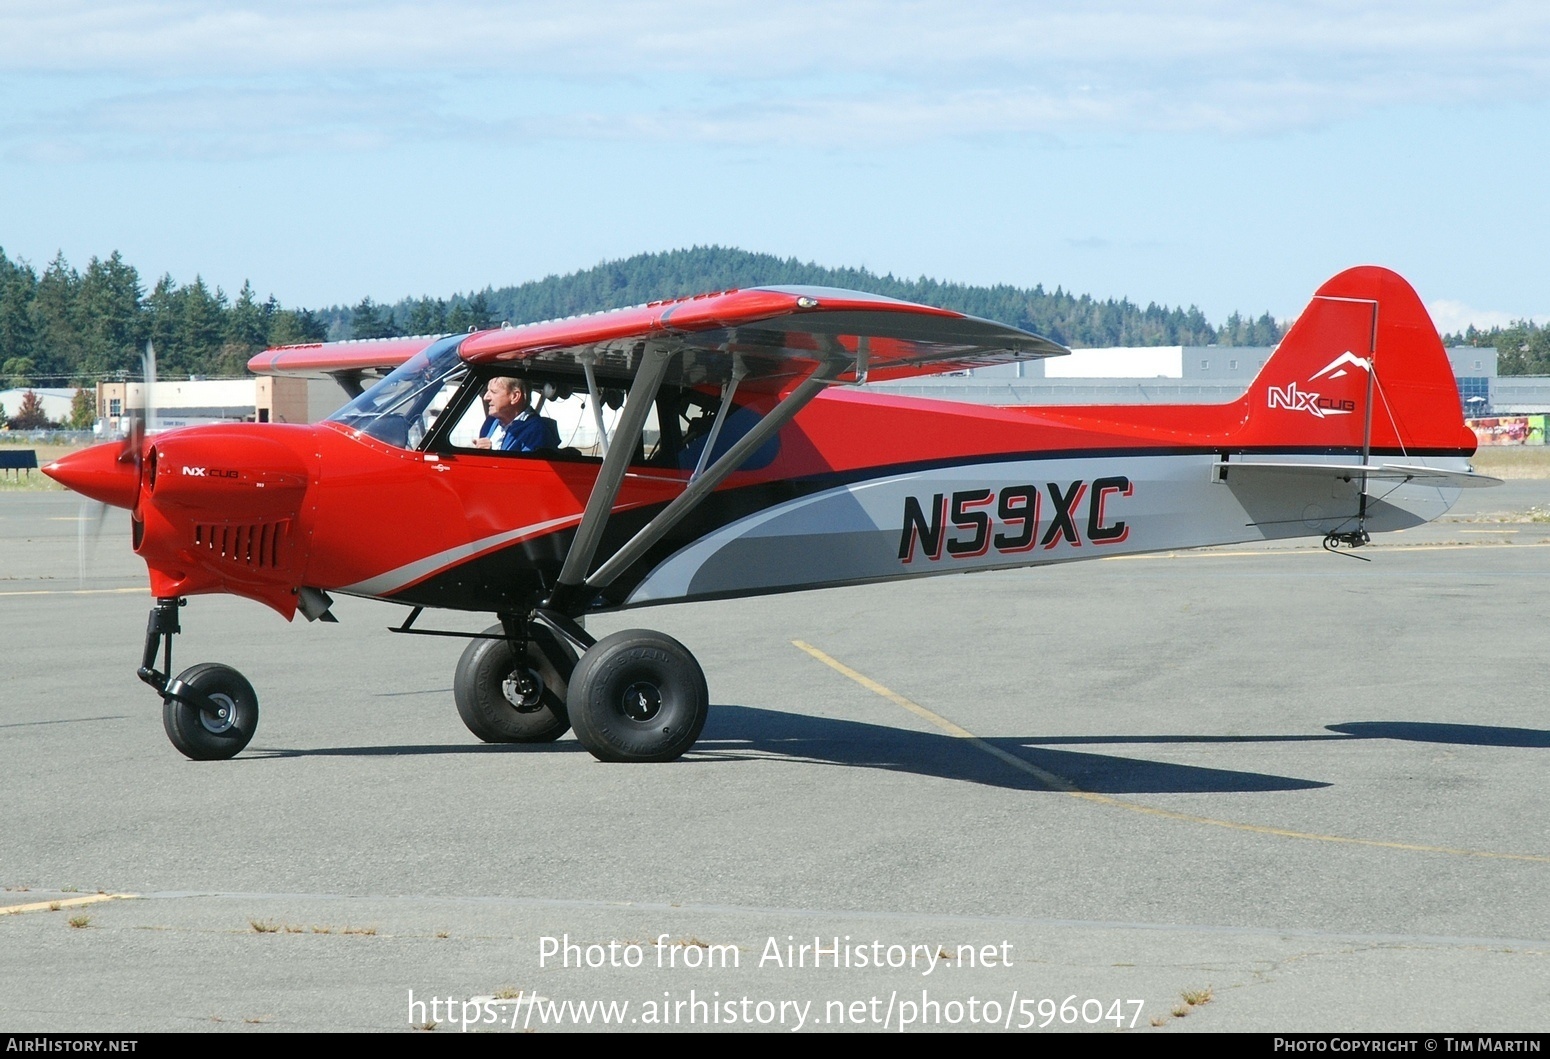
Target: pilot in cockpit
{"type": "Point", "coordinates": [510, 423]}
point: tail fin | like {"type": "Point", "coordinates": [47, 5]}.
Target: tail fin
{"type": "Point", "coordinates": [1362, 369]}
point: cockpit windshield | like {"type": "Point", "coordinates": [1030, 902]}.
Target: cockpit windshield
{"type": "Point", "coordinates": [401, 409]}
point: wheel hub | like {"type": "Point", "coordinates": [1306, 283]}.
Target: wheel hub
{"type": "Point", "coordinates": [642, 701]}
{"type": "Point", "coordinates": [524, 689]}
{"type": "Point", "coordinates": [221, 721]}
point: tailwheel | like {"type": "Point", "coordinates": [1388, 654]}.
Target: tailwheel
{"type": "Point", "coordinates": [506, 699]}
{"type": "Point", "coordinates": [638, 695]}
{"type": "Point", "coordinates": [224, 722]}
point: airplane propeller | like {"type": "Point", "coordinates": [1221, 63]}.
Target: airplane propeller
{"type": "Point", "coordinates": [93, 513]}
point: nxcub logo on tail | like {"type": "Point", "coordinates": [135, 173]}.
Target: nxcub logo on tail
{"type": "Point", "coordinates": [1315, 403]}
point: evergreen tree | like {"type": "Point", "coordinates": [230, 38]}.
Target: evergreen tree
{"type": "Point", "coordinates": [108, 310]}
{"type": "Point", "coordinates": [247, 323]}
{"type": "Point", "coordinates": [291, 328]}
{"type": "Point", "coordinates": [58, 343]}
{"type": "Point", "coordinates": [427, 316]}
{"type": "Point", "coordinates": [368, 320]}
{"type": "Point", "coordinates": [18, 288]}
{"type": "Point", "coordinates": [201, 333]}
{"type": "Point", "coordinates": [18, 371]}
{"type": "Point", "coordinates": [162, 321]}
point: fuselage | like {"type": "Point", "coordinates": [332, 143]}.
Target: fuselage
{"type": "Point", "coordinates": [859, 487]}
{"type": "Point", "coordinates": [392, 498]}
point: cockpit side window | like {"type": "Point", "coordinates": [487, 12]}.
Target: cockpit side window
{"type": "Point", "coordinates": [676, 430]}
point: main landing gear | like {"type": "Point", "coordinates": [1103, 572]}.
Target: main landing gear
{"type": "Point", "coordinates": [210, 711]}
{"type": "Point", "coordinates": [636, 695]}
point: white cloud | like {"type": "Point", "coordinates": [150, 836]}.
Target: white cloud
{"type": "Point", "coordinates": [861, 73]}
{"type": "Point", "coordinates": [1454, 317]}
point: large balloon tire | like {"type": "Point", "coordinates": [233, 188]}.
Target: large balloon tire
{"type": "Point", "coordinates": [205, 736]}
{"type": "Point", "coordinates": [638, 695]}
{"type": "Point", "coordinates": [502, 700]}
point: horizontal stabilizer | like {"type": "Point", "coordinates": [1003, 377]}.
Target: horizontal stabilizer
{"type": "Point", "coordinates": [1347, 472]}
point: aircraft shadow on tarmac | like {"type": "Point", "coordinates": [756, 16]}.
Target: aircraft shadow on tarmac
{"type": "Point", "coordinates": [741, 733]}
{"type": "Point", "coordinates": [1431, 732]}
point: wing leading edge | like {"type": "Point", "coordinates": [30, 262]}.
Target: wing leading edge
{"type": "Point", "coordinates": [349, 364]}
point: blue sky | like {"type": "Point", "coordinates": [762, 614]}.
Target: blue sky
{"type": "Point", "coordinates": [1226, 154]}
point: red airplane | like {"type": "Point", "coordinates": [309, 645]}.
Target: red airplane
{"type": "Point", "coordinates": [742, 460]}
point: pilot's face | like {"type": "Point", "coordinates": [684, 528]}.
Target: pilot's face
{"type": "Point", "coordinates": [504, 399]}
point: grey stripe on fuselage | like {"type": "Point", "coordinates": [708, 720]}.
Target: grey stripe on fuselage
{"type": "Point", "coordinates": [859, 532]}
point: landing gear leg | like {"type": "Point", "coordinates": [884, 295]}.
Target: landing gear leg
{"type": "Point", "coordinates": [209, 711]}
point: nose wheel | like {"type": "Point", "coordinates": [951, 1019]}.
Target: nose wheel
{"type": "Point", "coordinates": [210, 711]}
{"type": "Point", "coordinates": [223, 724]}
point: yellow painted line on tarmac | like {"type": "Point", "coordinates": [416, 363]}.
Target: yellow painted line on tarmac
{"type": "Point", "coordinates": [61, 902]}
{"type": "Point", "coordinates": [72, 591]}
{"type": "Point", "coordinates": [1061, 785]}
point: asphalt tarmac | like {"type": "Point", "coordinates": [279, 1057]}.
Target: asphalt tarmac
{"type": "Point", "coordinates": [1303, 791]}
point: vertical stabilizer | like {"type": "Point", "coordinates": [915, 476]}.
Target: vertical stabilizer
{"type": "Point", "coordinates": [1361, 370]}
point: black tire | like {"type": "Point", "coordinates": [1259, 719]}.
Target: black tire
{"type": "Point", "coordinates": [638, 695]}
{"type": "Point", "coordinates": [503, 702]}
{"type": "Point", "coordinates": [204, 736]}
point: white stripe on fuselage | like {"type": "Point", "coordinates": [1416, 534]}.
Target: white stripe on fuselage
{"type": "Point", "coordinates": [398, 579]}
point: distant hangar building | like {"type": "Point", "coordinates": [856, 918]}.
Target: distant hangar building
{"type": "Point", "coordinates": [1187, 375]}
{"type": "Point", "coordinates": [186, 402]}
{"type": "Point", "coordinates": [1119, 375]}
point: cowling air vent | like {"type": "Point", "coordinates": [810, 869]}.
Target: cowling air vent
{"type": "Point", "coordinates": [254, 544]}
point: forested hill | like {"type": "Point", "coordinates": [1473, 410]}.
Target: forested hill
{"type": "Point", "coordinates": [61, 326]}
{"type": "Point", "coordinates": [1076, 320]}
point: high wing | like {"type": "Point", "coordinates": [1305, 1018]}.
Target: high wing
{"type": "Point", "coordinates": [347, 363]}
{"type": "Point", "coordinates": [767, 336]}
{"type": "Point", "coordinates": [787, 341]}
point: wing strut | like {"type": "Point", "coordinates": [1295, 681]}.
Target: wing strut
{"type": "Point", "coordinates": [739, 371]}
{"type": "Point", "coordinates": [587, 361]}
{"type": "Point", "coordinates": [700, 487]}
{"type": "Point", "coordinates": [643, 393]}
{"type": "Point", "coordinates": [600, 503]}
